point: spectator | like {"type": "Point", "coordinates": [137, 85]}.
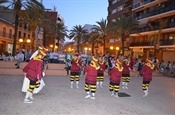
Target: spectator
{"type": "Point", "coordinates": [62, 58]}
{"type": "Point", "coordinates": [55, 57]}
{"type": "Point", "coordinates": [19, 59]}
{"type": "Point", "coordinates": [155, 61]}
{"type": "Point", "coordinates": [173, 68]}
{"type": "Point", "coordinates": [28, 55]}
{"type": "Point", "coordinates": [162, 67]}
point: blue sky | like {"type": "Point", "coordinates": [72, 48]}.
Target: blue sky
{"type": "Point", "coordinates": [79, 12]}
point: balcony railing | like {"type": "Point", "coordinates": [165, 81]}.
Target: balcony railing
{"type": "Point", "coordinates": [6, 35]}
{"type": "Point", "coordinates": [167, 8]}
{"type": "Point", "coordinates": [155, 27]}
{"type": "Point", "coordinates": [141, 3]}
{"type": "Point", "coordinates": [162, 43]}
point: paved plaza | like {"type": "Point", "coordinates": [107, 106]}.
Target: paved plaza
{"type": "Point", "coordinates": [57, 98]}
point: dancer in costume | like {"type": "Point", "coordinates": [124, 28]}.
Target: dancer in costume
{"type": "Point", "coordinates": [126, 73]}
{"type": "Point", "coordinates": [91, 78]}
{"type": "Point", "coordinates": [100, 72]}
{"type": "Point", "coordinates": [147, 72]}
{"type": "Point", "coordinates": [75, 70]}
{"type": "Point", "coordinates": [115, 77]}
{"type": "Point", "coordinates": [33, 71]}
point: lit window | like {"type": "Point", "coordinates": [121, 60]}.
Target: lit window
{"type": "Point", "coordinates": [120, 8]}
{"type": "Point", "coordinates": [114, 11]}
{"type": "Point", "coordinates": [113, 2]}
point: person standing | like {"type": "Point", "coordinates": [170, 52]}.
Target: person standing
{"type": "Point", "coordinates": [91, 78]}
{"type": "Point", "coordinates": [147, 72]}
{"type": "Point", "coordinates": [19, 59]}
{"type": "Point", "coordinates": [126, 73]}
{"type": "Point", "coordinates": [75, 71]}
{"type": "Point", "coordinates": [33, 71]}
{"type": "Point", "coordinates": [100, 72]}
{"type": "Point", "coordinates": [115, 77]}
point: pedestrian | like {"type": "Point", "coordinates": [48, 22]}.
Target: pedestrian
{"type": "Point", "coordinates": [19, 59]}
{"type": "Point", "coordinates": [75, 70]}
{"type": "Point", "coordinates": [115, 76]}
{"type": "Point", "coordinates": [33, 71]}
{"type": "Point", "coordinates": [68, 66]}
{"type": "Point", "coordinates": [147, 72]}
{"type": "Point", "coordinates": [126, 73]}
{"type": "Point", "coordinates": [100, 72]}
{"type": "Point", "coordinates": [91, 78]}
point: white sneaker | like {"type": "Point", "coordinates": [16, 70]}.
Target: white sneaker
{"type": "Point", "coordinates": [112, 94]}
{"type": "Point", "coordinates": [146, 93]}
{"type": "Point", "coordinates": [116, 95]}
{"type": "Point", "coordinates": [101, 86]}
{"type": "Point", "coordinates": [27, 101]}
{"type": "Point", "coordinates": [88, 96]}
{"type": "Point", "coordinates": [77, 86]}
{"type": "Point", "coordinates": [71, 86]}
{"type": "Point", "coordinates": [123, 87]}
{"type": "Point", "coordinates": [92, 97]}
{"type": "Point", "coordinates": [31, 97]}
{"type": "Point", "coordinates": [126, 87]}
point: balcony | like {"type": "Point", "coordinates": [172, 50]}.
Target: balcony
{"type": "Point", "coordinates": [141, 3]}
{"type": "Point", "coordinates": [162, 43]}
{"type": "Point", "coordinates": [5, 35]}
{"type": "Point", "coordinates": [155, 27]}
{"type": "Point", "coordinates": [167, 8]}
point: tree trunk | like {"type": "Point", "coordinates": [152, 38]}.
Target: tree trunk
{"type": "Point", "coordinates": [104, 45]}
{"type": "Point", "coordinates": [78, 43]}
{"type": "Point", "coordinates": [44, 37]}
{"type": "Point", "coordinates": [123, 45]}
{"type": "Point", "coordinates": [92, 51]}
{"type": "Point", "coordinates": [15, 34]}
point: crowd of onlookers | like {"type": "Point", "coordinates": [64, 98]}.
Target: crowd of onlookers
{"type": "Point", "coordinates": [166, 68]}
{"type": "Point", "coordinates": [65, 58]}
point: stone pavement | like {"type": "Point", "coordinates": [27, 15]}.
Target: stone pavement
{"type": "Point", "coordinates": [57, 98]}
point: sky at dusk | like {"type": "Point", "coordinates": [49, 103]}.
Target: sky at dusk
{"type": "Point", "coordinates": [79, 12]}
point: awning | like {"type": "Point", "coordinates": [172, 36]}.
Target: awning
{"type": "Point", "coordinates": [143, 22]}
{"type": "Point", "coordinates": [1, 42]}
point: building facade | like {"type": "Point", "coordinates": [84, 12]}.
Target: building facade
{"type": "Point", "coordinates": [6, 37]}
{"type": "Point", "coordinates": [116, 8]}
{"type": "Point", "coordinates": [156, 33]}
{"type": "Point", "coordinates": [156, 30]}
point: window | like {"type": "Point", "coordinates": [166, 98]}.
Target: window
{"type": "Point", "coordinates": [172, 36]}
{"type": "Point", "coordinates": [19, 34]}
{"type": "Point", "coordinates": [10, 33]}
{"type": "Point", "coordinates": [115, 1]}
{"type": "Point", "coordinates": [4, 32]}
{"type": "Point", "coordinates": [120, 8]}
{"type": "Point", "coordinates": [114, 11]}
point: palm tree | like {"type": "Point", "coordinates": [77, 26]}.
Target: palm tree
{"type": "Point", "coordinates": [102, 28]}
{"type": "Point", "coordinates": [155, 38]}
{"type": "Point", "coordinates": [124, 25]}
{"type": "Point", "coordinates": [90, 40]}
{"type": "Point", "coordinates": [61, 32]}
{"type": "Point", "coordinates": [17, 6]}
{"type": "Point", "coordinates": [77, 33]}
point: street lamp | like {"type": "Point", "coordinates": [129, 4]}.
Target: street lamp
{"type": "Point", "coordinates": [111, 47]}
{"type": "Point", "coordinates": [51, 46]}
{"type": "Point", "coordinates": [28, 40]}
{"type": "Point", "coordinates": [85, 48]}
{"type": "Point", "coordinates": [117, 48]}
{"type": "Point", "coordinates": [20, 40]}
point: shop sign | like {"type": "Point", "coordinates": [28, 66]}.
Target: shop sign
{"type": "Point", "coordinates": [169, 49]}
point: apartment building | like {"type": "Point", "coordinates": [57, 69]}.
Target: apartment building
{"type": "Point", "coordinates": [117, 8]}
{"type": "Point", "coordinates": [27, 38]}
{"type": "Point", "coordinates": [156, 29]}
{"type": "Point", "coordinates": [7, 32]}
